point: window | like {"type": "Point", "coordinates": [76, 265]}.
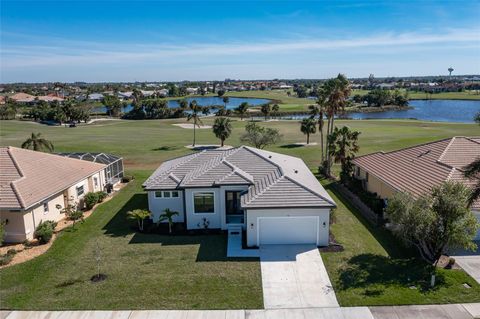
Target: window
{"type": "Point", "coordinates": [158, 194]}
{"type": "Point", "coordinates": [80, 191]}
{"type": "Point", "coordinates": [166, 194]}
{"type": "Point", "coordinates": [45, 208]}
{"type": "Point", "coordinates": [95, 182]}
{"type": "Point", "coordinates": [174, 194]}
{"type": "Point", "coordinates": [366, 176]}
{"type": "Point", "coordinates": [203, 203]}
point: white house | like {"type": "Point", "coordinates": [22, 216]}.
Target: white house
{"type": "Point", "coordinates": [36, 186]}
{"type": "Point", "coordinates": [275, 198]}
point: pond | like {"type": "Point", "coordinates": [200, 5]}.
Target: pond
{"type": "Point", "coordinates": [430, 110]}
{"type": "Point", "coordinates": [459, 111]}
{"type": "Point", "coordinates": [233, 102]}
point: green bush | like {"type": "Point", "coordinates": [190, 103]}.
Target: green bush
{"type": "Point", "coordinates": [44, 231]}
{"type": "Point", "coordinates": [90, 199]}
{"type": "Point", "coordinates": [372, 200]}
{"type": "Point", "coordinates": [101, 196]}
{"type": "Point", "coordinates": [5, 259]}
{"type": "Point", "coordinates": [126, 179]}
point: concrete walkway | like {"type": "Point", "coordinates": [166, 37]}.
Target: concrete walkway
{"type": "Point", "coordinates": [469, 261]}
{"type": "Point", "coordinates": [294, 276]}
{"type": "Point", "coordinates": [234, 244]}
{"type": "Point", "coordinates": [454, 311]}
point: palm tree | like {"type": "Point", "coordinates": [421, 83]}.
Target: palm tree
{"type": "Point", "coordinates": [37, 143]}
{"type": "Point", "coordinates": [196, 119]}
{"type": "Point", "coordinates": [275, 109]}
{"type": "Point", "coordinates": [242, 109]}
{"type": "Point", "coordinates": [308, 126]}
{"type": "Point", "coordinates": [183, 104]}
{"type": "Point", "coordinates": [139, 215]}
{"type": "Point", "coordinates": [342, 146]}
{"type": "Point", "coordinates": [226, 99]}
{"type": "Point", "coordinates": [336, 92]}
{"type": "Point", "coordinates": [222, 128]}
{"type": "Point", "coordinates": [265, 109]}
{"type": "Point", "coordinates": [168, 216]}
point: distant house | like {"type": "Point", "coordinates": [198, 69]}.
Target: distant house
{"type": "Point", "coordinates": [114, 165]}
{"type": "Point", "coordinates": [124, 95]}
{"type": "Point", "coordinates": [95, 97]}
{"type": "Point", "coordinates": [191, 90]}
{"type": "Point", "coordinates": [36, 186]}
{"type": "Point", "coordinates": [23, 98]}
{"type": "Point", "coordinates": [275, 198]}
{"type": "Point", "coordinates": [417, 169]}
{"type": "Point", "coordinates": [49, 98]}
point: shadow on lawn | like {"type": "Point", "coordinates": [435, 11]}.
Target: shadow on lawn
{"type": "Point", "coordinates": [291, 146]}
{"type": "Point", "coordinates": [118, 226]}
{"type": "Point", "coordinates": [370, 269]}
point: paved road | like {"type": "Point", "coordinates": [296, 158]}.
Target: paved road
{"type": "Point", "coordinates": [469, 261]}
{"type": "Point", "coordinates": [294, 276]}
{"type": "Point", "coordinates": [455, 311]}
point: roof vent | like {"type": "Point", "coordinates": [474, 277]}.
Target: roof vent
{"type": "Point", "coordinates": [269, 156]}
{"type": "Point", "coordinates": [296, 171]}
{"type": "Point", "coordinates": [424, 153]}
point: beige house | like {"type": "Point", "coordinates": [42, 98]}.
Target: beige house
{"type": "Point", "coordinates": [36, 186]}
{"type": "Point", "coordinates": [417, 169]}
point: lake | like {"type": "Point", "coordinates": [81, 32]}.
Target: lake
{"type": "Point", "coordinates": [233, 102]}
{"type": "Point", "coordinates": [460, 111]}
{"type": "Point", "coordinates": [430, 110]}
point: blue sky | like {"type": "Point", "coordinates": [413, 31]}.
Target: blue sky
{"type": "Point", "coordinates": [193, 40]}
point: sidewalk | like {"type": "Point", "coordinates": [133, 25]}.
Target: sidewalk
{"type": "Point", "coordinates": [453, 311]}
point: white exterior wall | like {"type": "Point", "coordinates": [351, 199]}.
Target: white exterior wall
{"type": "Point", "coordinates": [157, 205]}
{"type": "Point", "coordinates": [34, 217]}
{"type": "Point", "coordinates": [193, 219]}
{"type": "Point", "coordinates": [88, 186]}
{"type": "Point", "coordinates": [322, 213]}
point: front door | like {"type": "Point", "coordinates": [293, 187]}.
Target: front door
{"type": "Point", "coordinates": [233, 211]}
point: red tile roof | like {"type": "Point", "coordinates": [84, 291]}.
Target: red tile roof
{"type": "Point", "coordinates": [417, 169]}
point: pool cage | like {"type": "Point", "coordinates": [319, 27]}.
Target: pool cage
{"type": "Point", "coordinates": [114, 169]}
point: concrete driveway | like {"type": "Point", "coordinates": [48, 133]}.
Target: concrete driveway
{"type": "Point", "coordinates": [469, 261]}
{"type": "Point", "coordinates": [294, 276]}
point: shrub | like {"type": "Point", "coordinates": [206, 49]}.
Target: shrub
{"type": "Point", "coordinates": [5, 259]}
{"type": "Point", "coordinates": [44, 231]}
{"type": "Point", "coordinates": [27, 243]}
{"type": "Point", "coordinates": [372, 200]}
{"type": "Point", "coordinates": [90, 199]}
{"type": "Point", "coordinates": [126, 179]}
{"type": "Point", "coordinates": [11, 252]}
{"type": "Point", "coordinates": [101, 196]}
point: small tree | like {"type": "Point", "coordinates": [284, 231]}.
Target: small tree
{"type": "Point", "coordinates": [266, 109]}
{"type": "Point", "coordinates": [73, 213]}
{"type": "Point", "coordinates": [222, 128]}
{"type": "Point", "coordinates": [226, 99]}
{"type": "Point", "coordinates": [308, 126]}
{"type": "Point", "coordinates": [168, 216]}
{"type": "Point", "coordinates": [195, 108]}
{"type": "Point", "coordinates": [260, 136]}
{"type": "Point", "coordinates": [242, 109]}
{"type": "Point", "coordinates": [139, 215]}
{"type": "Point", "coordinates": [2, 232]}
{"type": "Point", "coordinates": [275, 109]}
{"type": "Point", "coordinates": [91, 198]}
{"type": "Point", "coordinates": [434, 222]}
{"type": "Point", "coordinates": [342, 147]}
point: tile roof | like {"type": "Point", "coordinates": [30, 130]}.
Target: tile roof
{"type": "Point", "coordinates": [28, 177]}
{"type": "Point", "coordinates": [417, 169]}
{"type": "Point", "coordinates": [274, 180]}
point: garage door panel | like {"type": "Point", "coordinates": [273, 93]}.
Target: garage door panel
{"type": "Point", "coordinates": [287, 230]}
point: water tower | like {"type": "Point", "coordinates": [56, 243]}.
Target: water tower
{"type": "Point", "coordinates": [450, 70]}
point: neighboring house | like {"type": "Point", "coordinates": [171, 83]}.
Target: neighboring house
{"type": "Point", "coordinates": [23, 98]}
{"type": "Point", "coordinates": [125, 95]}
{"type": "Point", "coordinates": [36, 186]}
{"type": "Point", "coordinates": [113, 171]}
{"type": "Point", "coordinates": [95, 97]}
{"type": "Point", "coordinates": [417, 169]}
{"type": "Point", "coordinates": [275, 198]}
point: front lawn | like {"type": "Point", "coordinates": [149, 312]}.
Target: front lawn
{"type": "Point", "coordinates": [145, 271]}
{"type": "Point", "coordinates": [374, 269]}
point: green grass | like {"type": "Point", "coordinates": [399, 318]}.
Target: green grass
{"type": "Point", "coordinates": [190, 272]}
{"type": "Point", "coordinates": [374, 269]}
{"type": "Point", "coordinates": [145, 271]}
